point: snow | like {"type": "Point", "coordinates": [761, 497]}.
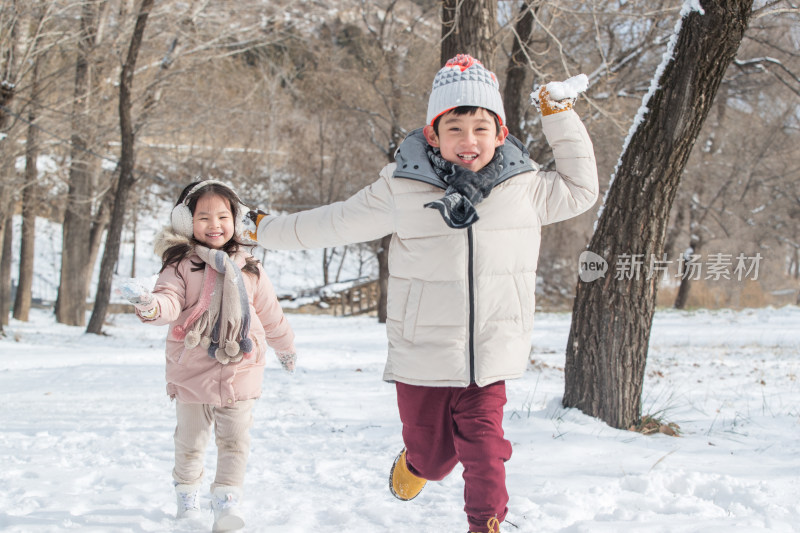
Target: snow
{"type": "Point", "coordinates": [86, 434]}
{"type": "Point", "coordinates": [691, 5]}
{"type": "Point", "coordinates": [45, 164]}
{"type": "Point", "coordinates": [559, 91]}
{"type": "Point", "coordinates": [570, 88]}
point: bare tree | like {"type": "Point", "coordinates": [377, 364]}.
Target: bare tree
{"type": "Point", "coordinates": [78, 251]}
{"type": "Point", "coordinates": [126, 169]}
{"type": "Point", "coordinates": [9, 18]}
{"type": "Point", "coordinates": [22, 302]}
{"type": "Point", "coordinates": [469, 27]}
{"type": "Point", "coordinates": [611, 321]}
{"type": "Point", "coordinates": [514, 94]}
{"type": "Point", "coordinates": [5, 276]}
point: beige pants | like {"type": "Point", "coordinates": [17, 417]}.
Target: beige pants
{"type": "Point", "coordinates": [232, 431]}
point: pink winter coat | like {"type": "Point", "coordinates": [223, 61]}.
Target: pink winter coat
{"type": "Point", "coordinates": [193, 376]}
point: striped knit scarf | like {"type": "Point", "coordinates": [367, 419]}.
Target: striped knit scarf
{"type": "Point", "coordinates": [220, 321]}
{"type": "Point", "coordinates": [465, 188]}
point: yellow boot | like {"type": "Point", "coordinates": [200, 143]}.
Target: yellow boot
{"type": "Point", "coordinates": [493, 524]}
{"type": "Point", "coordinates": [403, 484]}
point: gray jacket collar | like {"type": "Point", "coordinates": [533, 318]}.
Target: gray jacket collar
{"type": "Point", "coordinates": [413, 163]}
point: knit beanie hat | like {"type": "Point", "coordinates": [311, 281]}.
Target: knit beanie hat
{"type": "Point", "coordinates": [464, 81]}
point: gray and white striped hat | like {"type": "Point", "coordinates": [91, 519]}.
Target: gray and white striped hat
{"type": "Point", "coordinates": [464, 81]}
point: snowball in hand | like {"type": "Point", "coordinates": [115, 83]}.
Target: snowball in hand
{"type": "Point", "coordinates": [571, 88]}
{"type": "Point", "coordinates": [562, 90]}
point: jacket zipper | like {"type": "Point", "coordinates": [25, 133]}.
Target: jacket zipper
{"type": "Point", "coordinates": [471, 292]}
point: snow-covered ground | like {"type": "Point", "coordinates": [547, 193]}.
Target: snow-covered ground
{"type": "Point", "coordinates": [86, 434]}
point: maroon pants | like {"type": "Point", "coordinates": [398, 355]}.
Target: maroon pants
{"type": "Point", "coordinates": [446, 425]}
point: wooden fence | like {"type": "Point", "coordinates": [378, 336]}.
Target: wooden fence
{"type": "Point", "coordinates": [356, 300]}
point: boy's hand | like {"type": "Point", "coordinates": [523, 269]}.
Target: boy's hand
{"type": "Point", "coordinates": [558, 96]}
{"type": "Point", "coordinates": [250, 223]}
{"type": "Point", "coordinates": [287, 360]}
{"type": "Point", "coordinates": [136, 293]}
{"type": "Point", "coordinates": [548, 106]}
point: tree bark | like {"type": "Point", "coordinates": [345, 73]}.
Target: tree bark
{"type": "Point", "coordinates": [517, 70]}
{"type": "Point", "coordinates": [685, 287]}
{"type": "Point", "coordinates": [468, 27]}
{"type": "Point", "coordinates": [383, 277]}
{"type": "Point", "coordinates": [612, 316]}
{"type": "Point", "coordinates": [22, 302]}
{"type": "Point", "coordinates": [72, 293]}
{"type": "Point", "coordinates": [5, 274]}
{"type": "Point", "coordinates": [126, 178]}
{"type": "Point", "coordinates": [396, 134]}
{"type": "Point", "coordinates": [7, 92]}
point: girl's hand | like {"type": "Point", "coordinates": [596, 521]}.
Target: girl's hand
{"type": "Point", "coordinates": [136, 293]}
{"type": "Point", "coordinates": [287, 360]}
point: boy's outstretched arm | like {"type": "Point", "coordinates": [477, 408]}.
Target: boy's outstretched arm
{"type": "Point", "coordinates": [365, 216]}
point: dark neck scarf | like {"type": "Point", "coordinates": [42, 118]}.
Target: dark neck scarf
{"type": "Point", "coordinates": [465, 188]}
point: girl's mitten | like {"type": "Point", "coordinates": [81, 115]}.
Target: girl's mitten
{"type": "Point", "coordinates": [287, 360]}
{"type": "Point", "coordinates": [136, 293]}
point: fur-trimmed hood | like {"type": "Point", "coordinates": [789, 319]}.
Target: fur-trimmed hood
{"type": "Point", "coordinates": [167, 238]}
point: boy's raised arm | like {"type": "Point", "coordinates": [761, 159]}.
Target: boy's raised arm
{"type": "Point", "coordinates": [573, 187]}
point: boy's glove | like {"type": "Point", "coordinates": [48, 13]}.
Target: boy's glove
{"type": "Point", "coordinates": [136, 293]}
{"type": "Point", "coordinates": [547, 106]}
{"type": "Point", "coordinates": [287, 360]}
{"type": "Point", "coordinates": [250, 222]}
{"type": "Point", "coordinates": [558, 96]}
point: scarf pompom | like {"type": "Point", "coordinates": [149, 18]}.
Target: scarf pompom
{"type": "Point", "coordinates": [221, 356]}
{"type": "Point", "coordinates": [192, 339]}
{"type": "Point", "coordinates": [246, 345]}
{"type": "Point", "coordinates": [232, 348]}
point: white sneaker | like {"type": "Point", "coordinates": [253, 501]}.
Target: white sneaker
{"type": "Point", "coordinates": [225, 502]}
{"type": "Point", "coordinates": [188, 497]}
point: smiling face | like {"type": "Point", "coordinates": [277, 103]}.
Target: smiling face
{"type": "Point", "coordinates": [212, 221]}
{"type": "Point", "coordinates": [468, 140]}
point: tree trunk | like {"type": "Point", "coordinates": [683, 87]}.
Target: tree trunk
{"type": "Point", "coordinates": [99, 227]}
{"type": "Point", "coordinates": [383, 277]}
{"type": "Point", "coordinates": [8, 70]}
{"type": "Point", "coordinates": [687, 276]}
{"type": "Point", "coordinates": [697, 212]}
{"type": "Point", "coordinates": [326, 261]}
{"type": "Point", "coordinates": [71, 303]}
{"type": "Point", "coordinates": [468, 27]}
{"type": "Point", "coordinates": [126, 179]}
{"type": "Point", "coordinates": [396, 135]}
{"type": "Point", "coordinates": [22, 302]}
{"type": "Point", "coordinates": [133, 245]}
{"type": "Point", "coordinates": [5, 273]}
{"type": "Point", "coordinates": [612, 316]}
{"type": "Point", "coordinates": [515, 72]}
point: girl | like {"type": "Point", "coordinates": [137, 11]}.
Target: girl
{"type": "Point", "coordinates": [222, 312]}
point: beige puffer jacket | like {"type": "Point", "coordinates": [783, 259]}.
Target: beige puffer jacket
{"type": "Point", "coordinates": [461, 301]}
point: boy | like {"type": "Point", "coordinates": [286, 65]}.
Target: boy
{"type": "Point", "coordinates": [465, 206]}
